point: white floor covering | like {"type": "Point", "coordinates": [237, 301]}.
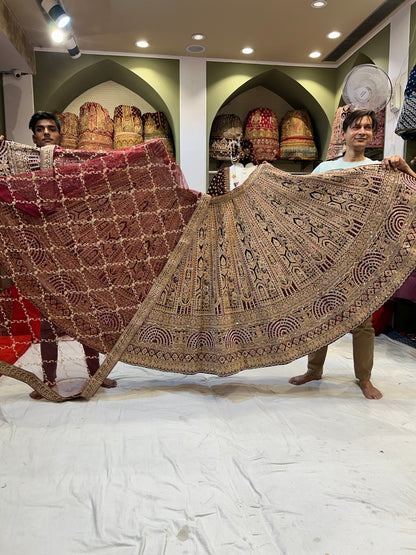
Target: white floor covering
{"type": "Point", "coordinates": [169, 464]}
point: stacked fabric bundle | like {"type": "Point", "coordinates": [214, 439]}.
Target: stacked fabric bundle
{"type": "Point", "coordinates": [296, 136]}
{"type": "Point", "coordinates": [226, 130]}
{"type": "Point", "coordinates": [69, 129]}
{"type": "Point", "coordinates": [262, 129]}
{"type": "Point", "coordinates": [128, 126]}
{"type": "Point", "coordinates": [156, 126]}
{"type": "Point", "coordinates": [96, 127]}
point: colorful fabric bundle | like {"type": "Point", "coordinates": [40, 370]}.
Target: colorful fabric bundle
{"type": "Point", "coordinates": [262, 129]}
{"type": "Point", "coordinates": [69, 129]}
{"type": "Point", "coordinates": [406, 124]}
{"type": "Point", "coordinates": [128, 126]}
{"type": "Point", "coordinates": [226, 132]}
{"type": "Point", "coordinates": [96, 128]}
{"type": "Point", "coordinates": [156, 126]}
{"type": "Point", "coordinates": [296, 136]}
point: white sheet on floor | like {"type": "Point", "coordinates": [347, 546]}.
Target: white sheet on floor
{"type": "Point", "coordinates": [170, 464]}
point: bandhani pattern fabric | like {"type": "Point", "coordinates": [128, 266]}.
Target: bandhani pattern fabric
{"type": "Point", "coordinates": [69, 129]}
{"type": "Point", "coordinates": [296, 136]}
{"type": "Point", "coordinates": [262, 129]}
{"type": "Point", "coordinates": [128, 126]}
{"type": "Point", "coordinates": [127, 262]}
{"type": "Point", "coordinates": [96, 128]}
{"type": "Point", "coordinates": [406, 124]}
{"type": "Point", "coordinates": [226, 133]}
{"type": "Point", "coordinates": [156, 126]}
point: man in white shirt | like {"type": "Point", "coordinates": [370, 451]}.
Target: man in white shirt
{"type": "Point", "coordinates": [358, 128]}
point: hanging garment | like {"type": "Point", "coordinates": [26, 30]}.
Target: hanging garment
{"type": "Point", "coordinates": [262, 129]}
{"type": "Point", "coordinates": [296, 136]}
{"type": "Point", "coordinates": [128, 262]}
{"type": "Point", "coordinates": [128, 126]}
{"type": "Point", "coordinates": [406, 124]}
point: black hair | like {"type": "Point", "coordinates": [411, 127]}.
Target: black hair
{"type": "Point", "coordinates": [43, 115]}
{"type": "Point", "coordinates": [357, 115]}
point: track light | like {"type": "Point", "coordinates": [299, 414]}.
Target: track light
{"type": "Point", "coordinates": [72, 47]}
{"type": "Point", "coordinates": [56, 12]}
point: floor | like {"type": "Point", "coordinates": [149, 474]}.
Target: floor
{"type": "Point", "coordinates": [169, 464]}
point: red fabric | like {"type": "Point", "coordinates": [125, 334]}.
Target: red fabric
{"type": "Point", "coordinates": [13, 347]}
{"type": "Point", "coordinates": [26, 318]}
{"type": "Point", "coordinates": [381, 318]}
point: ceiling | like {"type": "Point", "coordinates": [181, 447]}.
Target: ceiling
{"type": "Point", "coordinates": [277, 30]}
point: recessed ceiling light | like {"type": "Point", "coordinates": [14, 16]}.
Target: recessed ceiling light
{"type": "Point", "coordinates": [334, 35]}
{"type": "Point", "coordinates": [195, 48]}
{"type": "Point", "coordinates": [247, 50]}
{"type": "Point", "coordinates": [198, 36]}
{"type": "Point", "coordinates": [142, 43]}
{"type": "Point", "coordinates": [319, 4]}
{"type": "Point", "coordinates": [315, 54]}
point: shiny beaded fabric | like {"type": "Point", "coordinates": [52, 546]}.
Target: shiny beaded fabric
{"type": "Point", "coordinates": [130, 263]}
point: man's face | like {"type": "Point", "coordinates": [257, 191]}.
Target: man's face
{"type": "Point", "coordinates": [360, 133]}
{"type": "Point", "coordinates": [46, 133]}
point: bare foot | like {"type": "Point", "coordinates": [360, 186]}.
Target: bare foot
{"type": "Point", "coordinates": [303, 378]}
{"type": "Point", "coordinates": [109, 383]}
{"type": "Point", "coordinates": [368, 389]}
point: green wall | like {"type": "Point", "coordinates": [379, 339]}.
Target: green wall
{"type": "Point", "coordinates": [59, 79]}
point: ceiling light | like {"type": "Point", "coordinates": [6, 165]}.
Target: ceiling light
{"type": "Point", "coordinates": [56, 12]}
{"type": "Point", "coordinates": [247, 50]}
{"type": "Point", "coordinates": [198, 36]}
{"type": "Point", "coordinates": [142, 43]}
{"type": "Point", "coordinates": [315, 54]}
{"type": "Point", "coordinates": [334, 35]}
{"type": "Point", "coordinates": [57, 36]}
{"type": "Point", "coordinates": [319, 4]}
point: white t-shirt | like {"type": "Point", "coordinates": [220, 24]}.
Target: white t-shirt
{"type": "Point", "coordinates": [340, 164]}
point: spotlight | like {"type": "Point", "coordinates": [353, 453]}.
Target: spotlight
{"type": "Point", "coordinates": [56, 12]}
{"type": "Point", "coordinates": [72, 47]}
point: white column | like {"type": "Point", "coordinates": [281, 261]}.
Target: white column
{"type": "Point", "coordinates": [398, 72]}
{"type": "Point", "coordinates": [18, 107]}
{"type": "Point", "coordinates": [193, 145]}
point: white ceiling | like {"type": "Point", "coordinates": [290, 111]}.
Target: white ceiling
{"type": "Point", "coordinates": [278, 30]}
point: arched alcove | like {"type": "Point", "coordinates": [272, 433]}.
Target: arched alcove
{"type": "Point", "coordinates": [102, 72]}
{"type": "Point", "coordinates": [280, 92]}
{"type": "Point", "coordinates": [59, 81]}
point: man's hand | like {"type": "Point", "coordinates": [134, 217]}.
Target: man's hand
{"type": "Point", "coordinates": [396, 163]}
